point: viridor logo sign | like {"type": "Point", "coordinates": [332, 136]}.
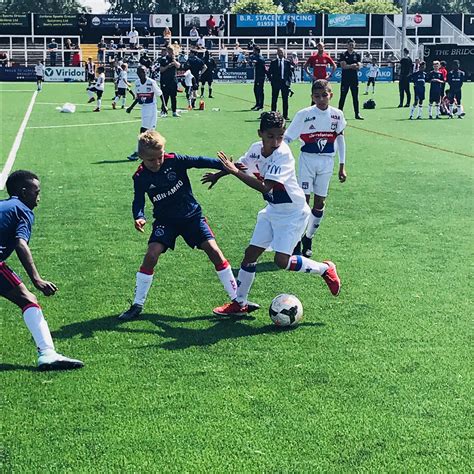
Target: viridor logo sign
{"type": "Point", "coordinates": [63, 72]}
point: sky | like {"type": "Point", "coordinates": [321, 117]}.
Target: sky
{"type": "Point", "coordinates": [97, 6]}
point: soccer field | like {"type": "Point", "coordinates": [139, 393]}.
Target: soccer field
{"type": "Point", "coordinates": [378, 379]}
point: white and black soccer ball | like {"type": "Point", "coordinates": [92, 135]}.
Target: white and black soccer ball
{"type": "Point", "coordinates": [286, 310]}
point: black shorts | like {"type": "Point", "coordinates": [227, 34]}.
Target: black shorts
{"type": "Point", "coordinates": [90, 77]}
{"type": "Point", "coordinates": [97, 91]}
{"type": "Point", "coordinates": [9, 280]}
{"type": "Point", "coordinates": [419, 94]}
{"type": "Point", "coordinates": [169, 88]}
{"type": "Point", "coordinates": [371, 81]}
{"type": "Point", "coordinates": [194, 231]}
{"type": "Point", "coordinates": [207, 79]}
{"type": "Point", "coordinates": [40, 78]}
{"type": "Point", "coordinates": [121, 92]}
{"type": "Point", "coordinates": [435, 97]}
{"type": "Point", "coordinates": [455, 95]}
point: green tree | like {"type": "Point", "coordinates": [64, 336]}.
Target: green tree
{"type": "Point", "coordinates": [440, 6]}
{"type": "Point", "coordinates": [67, 7]}
{"type": "Point", "coordinates": [375, 6]}
{"type": "Point", "coordinates": [323, 6]}
{"type": "Point", "coordinates": [254, 6]}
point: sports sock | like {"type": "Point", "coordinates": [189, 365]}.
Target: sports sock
{"type": "Point", "coordinates": [314, 221]}
{"type": "Point", "coordinates": [202, 90]}
{"type": "Point", "coordinates": [420, 111]}
{"type": "Point", "coordinates": [224, 272]}
{"type": "Point", "coordinates": [451, 108]}
{"type": "Point", "coordinates": [437, 110]}
{"type": "Point", "coordinates": [90, 94]}
{"type": "Point", "coordinates": [38, 327]}
{"type": "Point", "coordinates": [210, 91]}
{"type": "Point", "coordinates": [124, 98]}
{"type": "Point", "coordinates": [460, 109]}
{"type": "Point", "coordinates": [245, 280]}
{"type": "Point", "coordinates": [116, 98]}
{"type": "Point", "coordinates": [412, 110]}
{"type": "Point", "coordinates": [429, 110]}
{"type": "Point", "coordinates": [367, 89]}
{"type": "Point", "coordinates": [298, 263]}
{"type": "Point", "coordinates": [99, 103]}
{"type": "Point", "coordinates": [143, 284]}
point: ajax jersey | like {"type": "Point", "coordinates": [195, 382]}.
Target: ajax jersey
{"type": "Point", "coordinates": [317, 129]}
{"type": "Point", "coordinates": [148, 92]}
{"type": "Point", "coordinates": [286, 196]}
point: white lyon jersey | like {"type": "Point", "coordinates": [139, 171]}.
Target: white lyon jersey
{"type": "Point", "coordinates": [39, 70]}
{"type": "Point", "coordinates": [100, 82]}
{"type": "Point", "coordinates": [286, 197]}
{"type": "Point", "coordinates": [317, 129]}
{"type": "Point", "coordinates": [122, 82]}
{"type": "Point", "coordinates": [373, 71]}
{"type": "Point", "coordinates": [147, 93]}
{"type": "Point", "coordinates": [188, 78]}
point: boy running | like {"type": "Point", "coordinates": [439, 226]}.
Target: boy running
{"type": "Point", "coordinates": [320, 129]}
{"type": "Point", "coordinates": [97, 88]}
{"type": "Point", "coordinates": [146, 92]}
{"type": "Point", "coordinates": [419, 80]}
{"type": "Point", "coordinates": [190, 85]}
{"type": "Point", "coordinates": [122, 86]}
{"type": "Point", "coordinates": [39, 71]}
{"type": "Point", "coordinates": [456, 78]}
{"type": "Point", "coordinates": [435, 78]}
{"type": "Point", "coordinates": [271, 171]}
{"type": "Point", "coordinates": [372, 76]}
{"type": "Point", "coordinates": [163, 176]}
{"type": "Point", "coordinates": [16, 222]}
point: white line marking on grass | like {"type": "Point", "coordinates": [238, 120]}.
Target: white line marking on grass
{"type": "Point", "coordinates": [83, 124]}
{"type": "Point", "coordinates": [16, 144]}
{"type": "Point", "coordinates": [15, 90]}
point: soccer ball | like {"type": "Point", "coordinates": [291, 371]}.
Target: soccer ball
{"type": "Point", "coordinates": [286, 310]}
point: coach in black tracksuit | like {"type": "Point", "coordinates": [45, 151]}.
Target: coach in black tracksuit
{"type": "Point", "coordinates": [280, 74]}
{"type": "Point", "coordinates": [168, 80]}
{"type": "Point", "coordinates": [260, 73]}
{"type": "Point", "coordinates": [350, 62]}
{"type": "Point", "coordinates": [406, 68]}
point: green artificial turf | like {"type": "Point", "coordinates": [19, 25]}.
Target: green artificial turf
{"type": "Point", "coordinates": [378, 379]}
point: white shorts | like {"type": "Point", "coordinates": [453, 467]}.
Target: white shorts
{"type": "Point", "coordinates": [315, 172]}
{"type": "Point", "coordinates": [149, 117]}
{"type": "Point", "coordinates": [280, 232]}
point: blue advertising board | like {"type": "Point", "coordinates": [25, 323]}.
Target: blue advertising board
{"type": "Point", "coordinates": [353, 20]}
{"type": "Point", "coordinates": [19, 73]}
{"type": "Point", "coordinates": [268, 20]}
{"type": "Point", "coordinates": [385, 75]}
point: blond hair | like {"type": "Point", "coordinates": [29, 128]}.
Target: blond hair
{"type": "Point", "coordinates": [150, 141]}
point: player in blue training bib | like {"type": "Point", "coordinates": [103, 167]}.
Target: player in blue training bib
{"type": "Point", "coordinates": [419, 80]}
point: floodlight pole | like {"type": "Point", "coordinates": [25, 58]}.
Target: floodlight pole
{"type": "Point", "coordinates": [404, 26]}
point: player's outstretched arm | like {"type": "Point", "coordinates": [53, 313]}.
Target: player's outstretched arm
{"type": "Point", "coordinates": [24, 254]}
{"type": "Point", "coordinates": [132, 105]}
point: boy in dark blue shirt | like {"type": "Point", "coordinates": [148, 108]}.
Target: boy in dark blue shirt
{"type": "Point", "coordinates": [419, 79]}
{"type": "Point", "coordinates": [435, 78]}
{"type": "Point", "coordinates": [16, 222]}
{"type": "Point", "coordinates": [164, 178]}
{"type": "Point", "coordinates": [456, 78]}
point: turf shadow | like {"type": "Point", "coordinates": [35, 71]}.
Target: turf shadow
{"type": "Point", "coordinates": [263, 267]}
{"type": "Point", "coordinates": [11, 367]}
{"type": "Point", "coordinates": [109, 162]}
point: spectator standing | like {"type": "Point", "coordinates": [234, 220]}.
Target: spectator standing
{"type": "Point", "coordinates": [210, 24]}
{"type": "Point", "coordinates": [120, 49]}
{"type": "Point", "coordinates": [116, 31]}
{"type": "Point", "coordinates": [280, 73]}
{"type": "Point", "coordinates": [101, 47]}
{"type": "Point", "coordinates": [53, 49]}
{"type": "Point", "coordinates": [237, 53]}
{"type": "Point", "coordinates": [67, 52]}
{"type": "Point", "coordinates": [291, 27]}
{"type": "Point", "coordinates": [193, 35]}
{"type": "Point", "coordinates": [201, 43]}
{"type": "Point", "coordinates": [223, 56]}
{"type": "Point", "coordinates": [350, 62]}
{"type": "Point", "coordinates": [406, 68]}
{"type": "Point", "coordinates": [146, 34]}
{"type": "Point", "coordinates": [133, 38]}
{"type": "Point", "coordinates": [167, 36]}
{"type": "Point", "coordinates": [258, 62]}
{"type": "Point", "coordinates": [76, 58]}
{"type": "Point", "coordinates": [3, 59]}
{"type": "Point", "coordinates": [221, 27]}
{"type": "Point", "coordinates": [81, 25]}
{"type": "Point", "coordinates": [111, 53]}
{"type": "Point", "coordinates": [208, 42]}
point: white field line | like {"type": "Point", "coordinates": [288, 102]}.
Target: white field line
{"type": "Point", "coordinates": [83, 124]}
{"type": "Point", "coordinates": [16, 144]}
{"type": "Point", "coordinates": [16, 90]}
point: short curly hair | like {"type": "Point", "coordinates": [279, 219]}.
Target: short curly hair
{"type": "Point", "coordinates": [270, 120]}
{"type": "Point", "coordinates": [18, 180]}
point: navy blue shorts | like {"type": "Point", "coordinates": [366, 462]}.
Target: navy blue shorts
{"type": "Point", "coordinates": [194, 231]}
{"type": "Point", "coordinates": [435, 97]}
{"type": "Point", "coordinates": [419, 93]}
{"type": "Point", "coordinates": [9, 280]}
{"type": "Point", "coordinates": [455, 95]}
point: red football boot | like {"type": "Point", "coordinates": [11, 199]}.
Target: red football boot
{"type": "Point", "coordinates": [331, 278]}
{"type": "Point", "coordinates": [231, 309]}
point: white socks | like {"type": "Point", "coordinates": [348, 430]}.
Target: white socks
{"type": "Point", "coordinates": [244, 282]}
{"type": "Point", "coordinates": [315, 219]}
{"type": "Point", "coordinates": [298, 263]}
{"type": "Point", "coordinates": [224, 272]}
{"type": "Point", "coordinates": [38, 327]}
{"type": "Point", "coordinates": [99, 103]}
{"type": "Point", "coordinates": [143, 284]}
{"type": "Point", "coordinates": [90, 94]}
